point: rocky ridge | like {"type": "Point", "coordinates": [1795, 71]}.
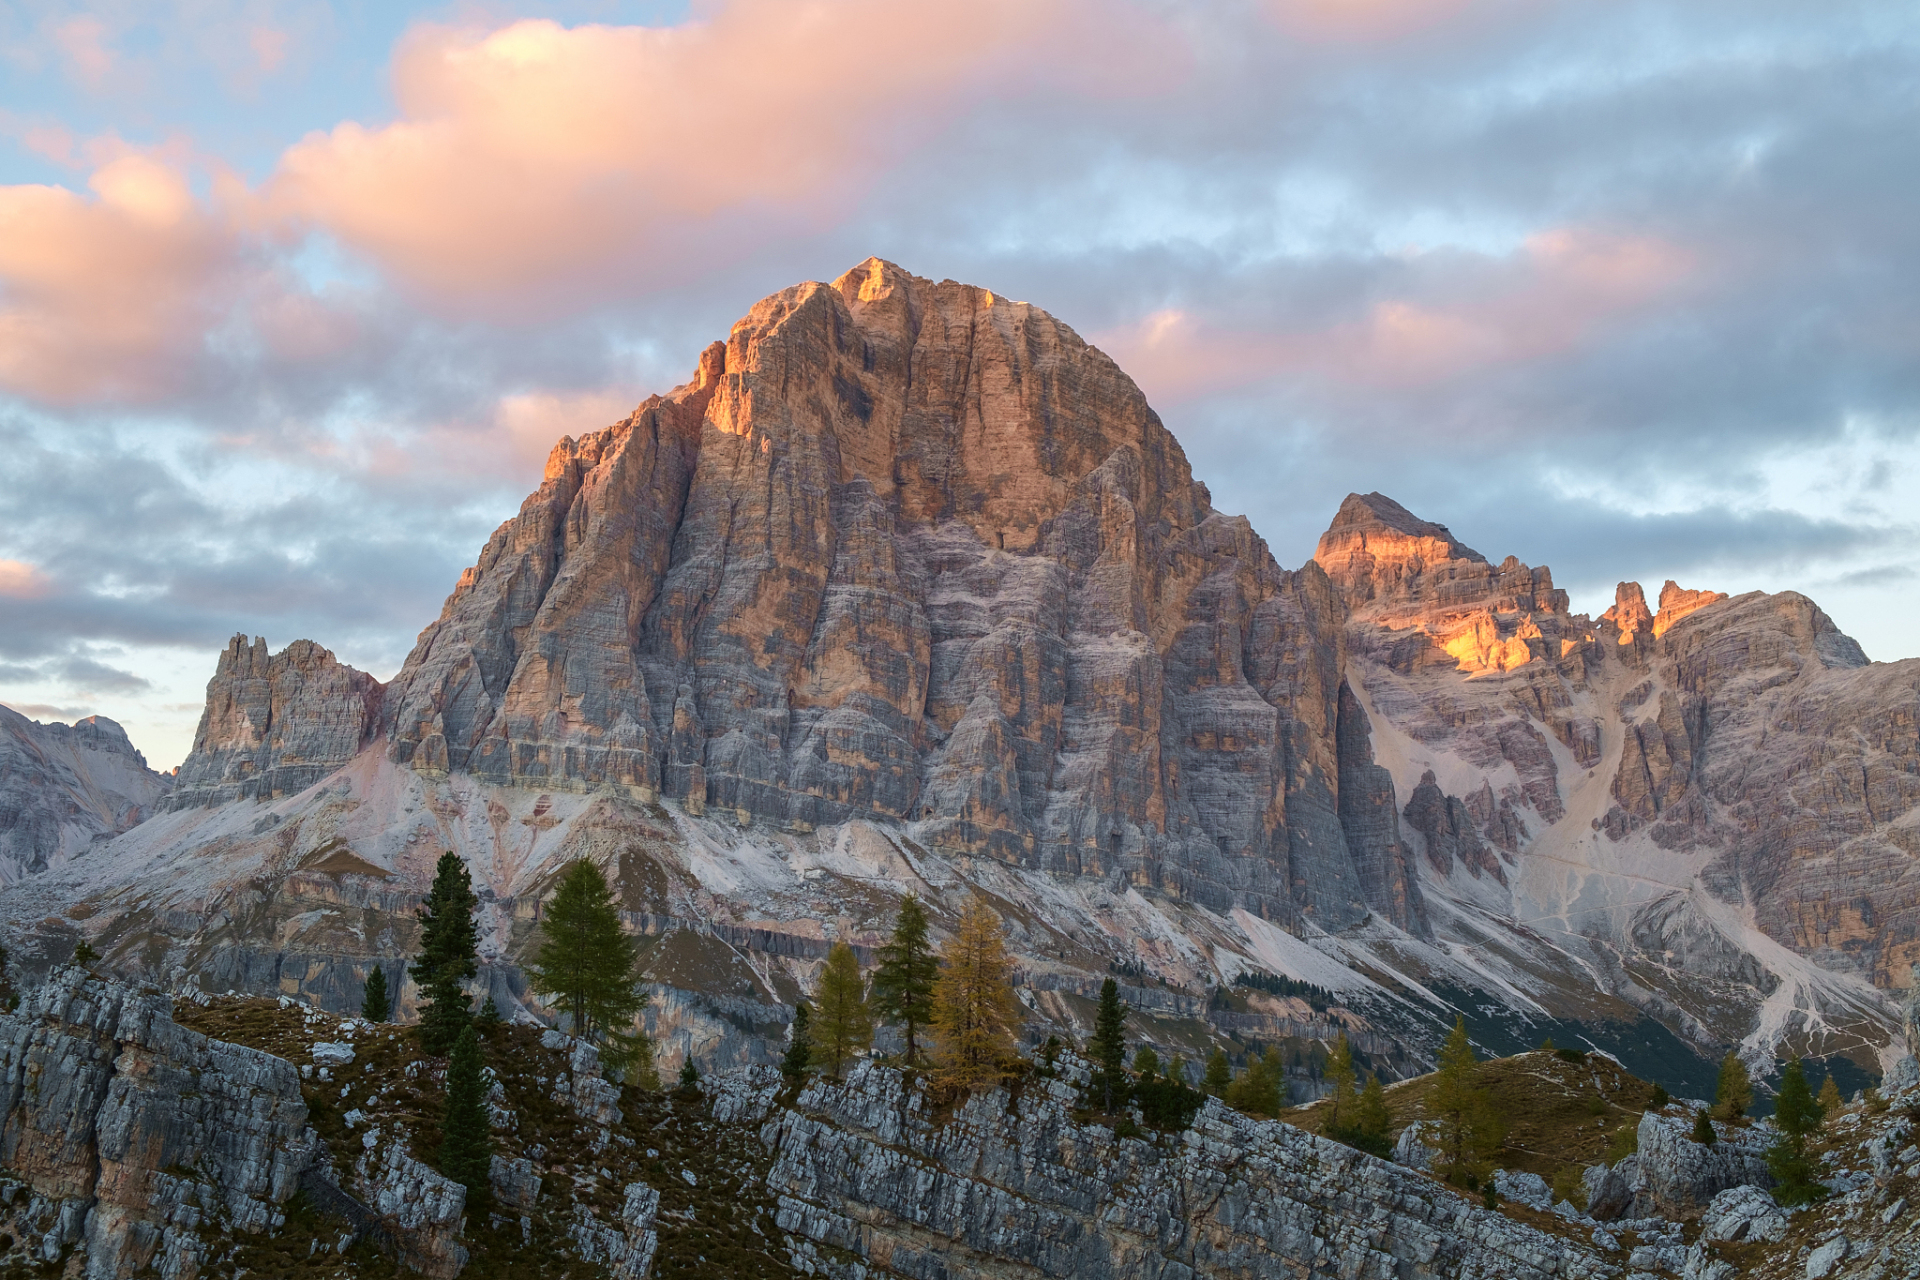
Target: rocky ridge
{"type": "Point", "coordinates": [62, 787]}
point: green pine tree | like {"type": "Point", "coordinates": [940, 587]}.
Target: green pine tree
{"type": "Point", "coordinates": [1797, 1115]}
{"type": "Point", "coordinates": [586, 965]}
{"type": "Point", "coordinates": [1146, 1063]}
{"type": "Point", "coordinates": [689, 1074]}
{"type": "Point", "coordinates": [448, 941]}
{"type": "Point", "coordinates": [466, 1142]}
{"type": "Point", "coordinates": [1470, 1130]}
{"type": "Point", "coordinates": [376, 1005]}
{"type": "Point", "coordinates": [84, 955]}
{"type": "Point", "coordinates": [903, 982]}
{"type": "Point", "coordinates": [1260, 1089]}
{"type": "Point", "coordinates": [1108, 1048]}
{"type": "Point", "coordinates": [1219, 1074]}
{"type": "Point", "coordinates": [844, 1026]}
{"type": "Point", "coordinates": [1343, 1093]}
{"type": "Point", "coordinates": [799, 1055]}
{"type": "Point", "coordinates": [1733, 1093]}
{"type": "Point", "coordinates": [489, 1015]}
{"type": "Point", "coordinates": [1830, 1101]}
{"type": "Point", "coordinates": [1703, 1129]}
{"type": "Point", "coordinates": [1372, 1127]}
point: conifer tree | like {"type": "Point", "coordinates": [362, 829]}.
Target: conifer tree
{"type": "Point", "coordinates": [1470, 1130]}
{"type": "Point", "coordinates": [84, 955]}
{"type": "Point", "coordinates": [489, 1015]}
{"type": "Point", "coordinates": [466, 1143]}
{"type": "Point", "coordinates": [586, 964]}
{"type": "Point", "coordinates": [1797, 1115]}
{"type": "Point", "coordinates": [1259, 1089]}
{"type": "Point", "coordinates": [903, 982]}
{"type": "Point", "coordinates": [1343, 1094]}
{"type": "Point", "coordinates": [1146, 1063]}
{"type": "Point", "coordinates": [376, 1005]}
{"type": "Point", "coordinates": [1703, 1132]}
{"type": "Point", "coordinates": [448, 941]}
{"type": "Point", "coordinates": [1108, 1048]}
{"type": "Point", "coordinates": [1733, 1093]}
{"type": "Point", "coordinates": [1219, 1074]}
{"type": "Point", "coordinates": [689, 1074]}
{"type": "Point", "coordinates": [799, 1055]}
{"type": "Point", "coordinates": [1830, 1100]}
{"type": "Point", "coordinates": [1372, 1127]}
{"type": "Point", "coordinates": [844, 1027]}
{"type": "Point", "coordinates": [974, 1011]}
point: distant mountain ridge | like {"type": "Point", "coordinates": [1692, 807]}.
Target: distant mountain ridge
{"type": "Point", "coordinates": [909, 589]}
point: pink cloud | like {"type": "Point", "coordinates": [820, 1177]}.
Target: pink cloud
{"type": "Point", "coordinates": [107, 295]}
{"type": "Point", "coordinates": [21, 581]}
{"type": "Point", "coordinates": [537, 159]}
{"type": "Point", "coordinates": [1563, 289]}
{"type": "Point", "coordinates": [82, 42]}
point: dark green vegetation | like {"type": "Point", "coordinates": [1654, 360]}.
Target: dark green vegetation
{"type": "Point", "coordinates": [446, 959]}
{"type": "Point", "coordinates": [719, 1225]}
{"type": "Point", "coordinates": [376, 1005]}
{"type": "Point", "coordinates": [1798, 1116]}
{"type": "Point", "coordinates": [1259, 980]}
{"type": "Point", "coordinates": [586, 962]}
{"type": "Point", "coordinates": [466, 1144]}
{"type": "Point", "coordinates": [903, 982]}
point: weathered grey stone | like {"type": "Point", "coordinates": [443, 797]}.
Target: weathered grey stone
{"type": "Point", "coordinates": [135, 1134]}
{"type": "Point", "coordinates": [423, 1210]}
{"type": "Point", "coordinates": [64, 786]}
{"type": "Point", "coordinates": [1743, 1213]}
{"type": "Point", "coordinates": [861, 1166]}
{"type": "Point", "coordinates": [515, 1182]}
{"type": "Point", "coordinates": [274, 725]}
{"type": "Point", "coordinates": [625, 1248]}
{"type": "Point", "coordinates": [1673, 1176]}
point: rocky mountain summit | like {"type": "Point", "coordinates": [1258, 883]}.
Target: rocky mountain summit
{"type": "Point", "coordinates": [62, 787]}
{"type": "Point", "coordinates": [908, 589]}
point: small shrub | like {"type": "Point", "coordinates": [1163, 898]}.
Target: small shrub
{"type": "Point", "coordinates": [1660, 1097]}
{"type": "Point", "coordinates": [1596, 1105]}
{"type": "Point", "coordinates": [1703, 1132]}
{"type": "Point", "coordinates": [1572, 1055]}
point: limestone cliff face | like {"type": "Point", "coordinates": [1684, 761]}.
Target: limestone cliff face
{"type": "Point", "coordinates": [276, 724]}
{"type": "Point", "coordinates": [1739, 751]}
{"type": "Point", "coordinates": [1016, 1186]}
{"type": "Point", "coordinates": [64, 786]}
{"type": "Point", "coordinates": [135, 1141]}
{"type": "Point", "coordinates": [915, 551]}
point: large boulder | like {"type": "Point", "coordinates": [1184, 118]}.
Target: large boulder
{"type": "Point", "coordinates": [1671, 1175]}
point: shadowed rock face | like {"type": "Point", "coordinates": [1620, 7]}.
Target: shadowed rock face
{"type": "Point", "coordinates": [915, 551]}
{"type": "Point", "coordinates": [64, 786]}
{"type": "Point", "coordinates": [275, 724]}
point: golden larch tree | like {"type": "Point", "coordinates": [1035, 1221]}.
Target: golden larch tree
{"type": "Point", "coordinates": [974, 1009]}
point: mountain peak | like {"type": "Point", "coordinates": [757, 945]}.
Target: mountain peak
{"type": "Point", "coordinates": [1363, 514]}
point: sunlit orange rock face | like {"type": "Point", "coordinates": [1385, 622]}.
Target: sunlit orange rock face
{"type": "Point", "coordinates": [1399, 573]}
{"type": "Point", "coordinates": [915, 551]}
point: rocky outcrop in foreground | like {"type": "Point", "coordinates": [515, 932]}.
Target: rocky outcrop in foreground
{"type": "Point", "coordinates": [864, 1171]}
{"type": "Point", "coordinates": [132, 1143]}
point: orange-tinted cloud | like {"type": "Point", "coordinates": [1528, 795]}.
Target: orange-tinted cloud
{"type": "Point", "coordinates": [1562, 290]}
{"type": "Point", "coordinates": [108, 295]}
{"type": "Point", "coordinates": [21, 581]}
{"type": "Point", "coordinates": [539, 158]}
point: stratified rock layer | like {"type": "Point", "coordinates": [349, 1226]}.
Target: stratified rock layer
{"type": "Point", "coordinates": [1010, 1186]}
{"type": "Point", "coordinates": [276, 724]}
{"type": "Point", "coordinates": [64, 786]}
{"type": "Point", "coordinates": [137, 1140]}
{"type": "Point", "coordinates": [915, 551]}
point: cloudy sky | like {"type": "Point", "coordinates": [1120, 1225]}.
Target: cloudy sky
{"type": "Point", "coordinates": [295, 296]}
